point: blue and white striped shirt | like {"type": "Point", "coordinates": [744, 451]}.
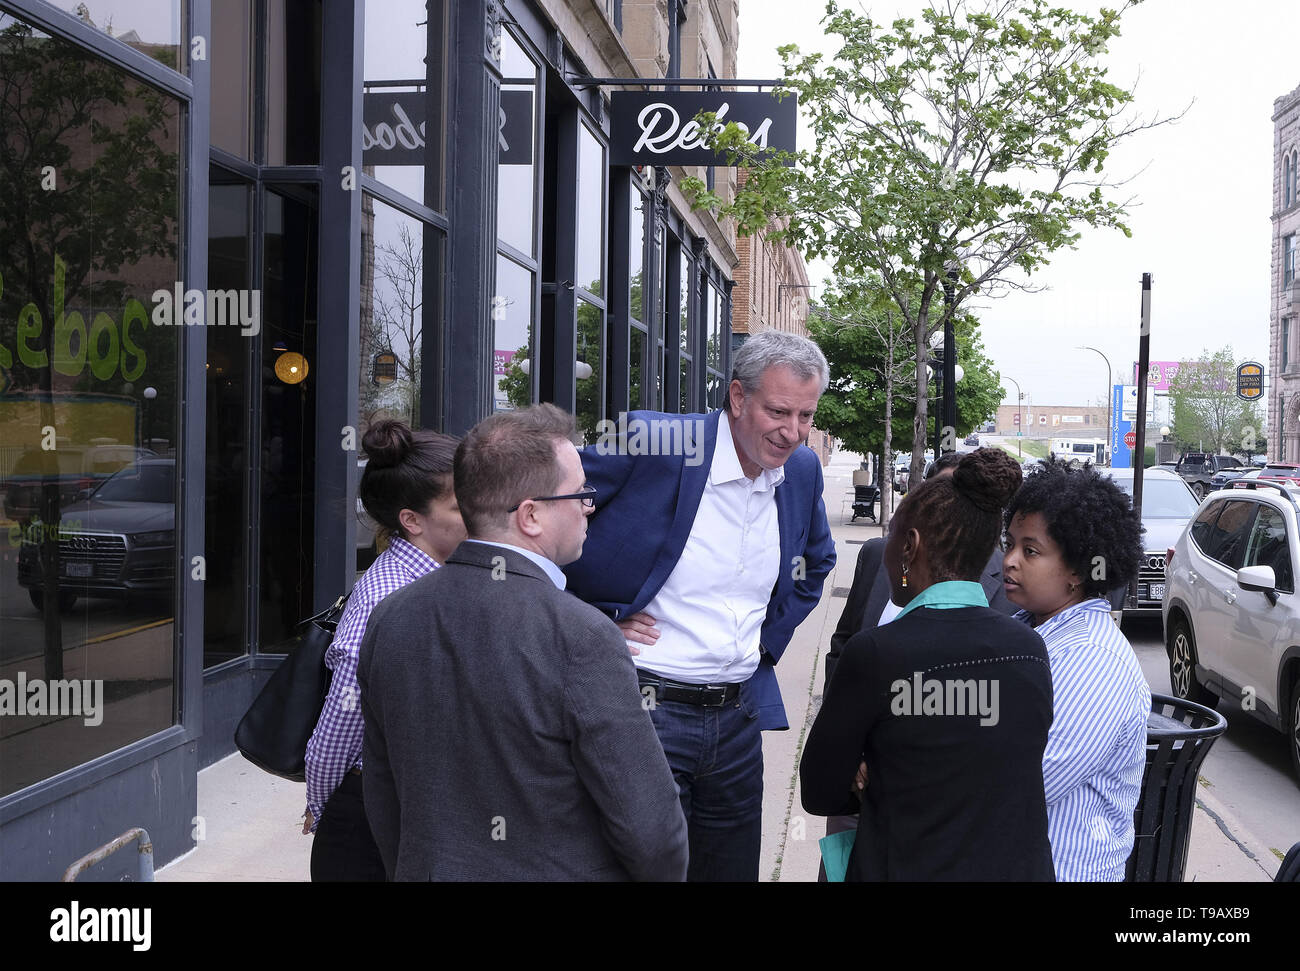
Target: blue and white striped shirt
{"type": "Point", "coordinates": [1096, 749]}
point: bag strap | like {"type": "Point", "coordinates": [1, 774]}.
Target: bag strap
{"type": "Point", "coordinates": [336, 606]}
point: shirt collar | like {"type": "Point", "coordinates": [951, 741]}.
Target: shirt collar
{"type": "Point", "coordinates": [554, 572]}
{"type": "Point", "coordinates": [947, 595]}
{"type": "Point", "coordinates": [726, 463]}
{"type": "Point", "coordinates": [411, 556]}
{"type": "Point", "coordinates": [1056, 620]}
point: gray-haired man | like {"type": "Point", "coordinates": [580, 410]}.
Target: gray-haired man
{"type": "Point", "coordinates": [708, 556]}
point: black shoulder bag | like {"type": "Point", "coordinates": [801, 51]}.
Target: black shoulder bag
{"type": "Point", "coordinates": [274, 732]}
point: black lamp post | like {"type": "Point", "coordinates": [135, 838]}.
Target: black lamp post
{"type": "Point", "coordinates": [949, 355]}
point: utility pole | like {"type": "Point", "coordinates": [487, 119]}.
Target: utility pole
{"type": "Point", "coordinates": [1144, 364]}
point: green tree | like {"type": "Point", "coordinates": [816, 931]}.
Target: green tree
{"type": "Point", "coordinates": [1207, 414]}
{"type": "Point", "coordinates": [962, 152]}
{"type": "Point", "coordinates": [870, 403]}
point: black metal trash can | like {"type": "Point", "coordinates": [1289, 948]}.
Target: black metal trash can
{"type": "Point", "coordinates": [1179, 736]}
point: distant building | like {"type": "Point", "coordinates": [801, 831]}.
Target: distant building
{"type": "Point", "coordinates": [1051, 421]}
{"type": "Point", "coordinates": [1284, 307]}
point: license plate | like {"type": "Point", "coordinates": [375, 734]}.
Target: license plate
{"type": "Point", "coordinates": [79, 569]}
{"type": "Point", "coordinates": [1157, 591]}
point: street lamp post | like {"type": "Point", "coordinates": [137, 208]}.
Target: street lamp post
{"type": "Point", "coordinates": [950, 352]}
{"type": "Point", "coordinates": [1109, 389]}
{"type": "Point", "coordinates": [1020, 421]}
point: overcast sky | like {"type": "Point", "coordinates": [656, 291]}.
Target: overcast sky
{"type": "Point", "coordinates": [1203, 188]}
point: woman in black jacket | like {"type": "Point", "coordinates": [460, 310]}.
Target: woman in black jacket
{"type": "Point", "coordinates": [947, 708]}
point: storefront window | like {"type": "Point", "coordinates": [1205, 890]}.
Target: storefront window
{"type": "Point", "coordinates": [591, 347]}
{"type": "Point", "coordinates": [293, 66]}
{"type": "Point", "coordinates": [636, 368]}
{"type": "Point", "coordinates": [591, 212]}
{"type": "Point", "coordinates": [714, 380]}
{"type": "Point", "coordinates": [392, 314]}
{"type": "Point", "coordinates": [512, 314]}
{"type": "Point", "coordinates": [152, 27]}
{"type": "Point", "coordinates": [89, 408]}
{"type": "Point", "coordinates": [288, 417]}
{"type": "Point", "coordinates": [636, 253]}
{"type": "Point", "coordinates": [232, 79]}
{"type": "Point", "coordinates": [517, 149]}
{"type": "Point", "coordinates": [402, 143]}
{"type": "Point", "coordinates": [684, 305]}
{"type": "Point", "coordinates": [230, 248]}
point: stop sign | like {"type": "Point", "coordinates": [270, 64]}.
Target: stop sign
{"type": "Point", "coordinates": [1130, 439]}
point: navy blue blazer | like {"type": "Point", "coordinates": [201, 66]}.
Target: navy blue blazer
{"type": "Point", "coordinates": [645, 506]}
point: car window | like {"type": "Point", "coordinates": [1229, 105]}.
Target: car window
{"type": "Point", "coordinates": [1268, 547]}
{"type": "Point", "coordinates": [1203, 527]}
{"type": "Point", "coordinates": [1163, 498]}
{"type": "Point", "coordinates": [1233, 529]}
{"type": "Point", "coordinates": [140, 483]}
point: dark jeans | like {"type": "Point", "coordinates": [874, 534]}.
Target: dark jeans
{"type": "Point", "coordinates": [344, 850]}
{"type": "Point", "coordinates": [716, 755]}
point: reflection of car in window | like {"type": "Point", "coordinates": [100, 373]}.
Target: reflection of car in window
{"type": "Point", "coordinates": [119, 542]}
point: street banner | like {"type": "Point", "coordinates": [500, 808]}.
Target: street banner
{"type": "Point", "coordinates": [1121, 426]}
{"type": "Point", "coordinates": [1159, 374]}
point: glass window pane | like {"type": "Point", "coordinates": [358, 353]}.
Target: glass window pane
{"type": "Point", "coordinates": [392, 314]}
{"type": "Point", "coordinates": [152, 27]}
{"type": "Point", "coordinates": [513, 357]}
{"type": "Point", "coordinates": [293, 65]}
{"type": "Point", "coordinates": [636, 254]}
{"type": "Point", "coordinates": [688, 372]}
{"type": "Point", "coordinates": [591, 351]}
{"type": "Point", "coordinates": [87, 589]}
{"type": "Point", "coordinates": [402, 141]}
{"type": "Point", "coordinates": [636, 368]}
{"type": "Point", "coordinates": [714, 350]}
{"type": "Point", "coordinates": [591, 212]}
{"type": "Point", "coordinates": [226, 432]}
{"type": "Point", "coordinates": [517, 149]}
{"type": "Point", "coordinates": [684, 304]}
{"type": "Point", "coordinates": [288, 432]}
{"type": "Point", "coordinates": [232, 79]}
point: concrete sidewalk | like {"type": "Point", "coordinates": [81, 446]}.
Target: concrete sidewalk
{"type": "Point", "coordinates": [250, 821]}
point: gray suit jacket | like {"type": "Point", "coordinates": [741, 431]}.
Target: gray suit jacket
{"type": "Point", "coordinates": [505, 737]}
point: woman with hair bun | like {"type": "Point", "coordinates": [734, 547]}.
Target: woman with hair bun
{"type": "Point", "coordinates": [939, 718]}
{"type": "Point", "coordinates": [407, 489]}
{"type": "Point", "coordinates": [1073, 535]}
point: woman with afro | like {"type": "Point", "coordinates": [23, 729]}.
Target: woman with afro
{"type": "Point", "coordinates": [1071, 536]}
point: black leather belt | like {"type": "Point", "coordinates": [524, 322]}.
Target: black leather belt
{"type": "Point", "coordinates": [704, 695]}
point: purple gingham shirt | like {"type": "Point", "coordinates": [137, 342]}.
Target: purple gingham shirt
{"type": "Point", "coordinates": [335, 746]}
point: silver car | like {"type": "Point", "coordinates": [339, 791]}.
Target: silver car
{"type": "Point", "coordinates": [1168, 505]}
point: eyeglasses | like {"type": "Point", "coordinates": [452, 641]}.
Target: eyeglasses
{"type": "Point", "coordinates": [587, 495]}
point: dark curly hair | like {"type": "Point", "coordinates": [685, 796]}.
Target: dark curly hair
{"type": "Point", "coordinates": [1088, 516]}
{"type": "Point", "coordinates": [958, 516]}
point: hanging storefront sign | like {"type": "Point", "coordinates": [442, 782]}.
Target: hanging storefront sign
{"type": "Point", "coordinates": [659, 128]}
{"type": "Point", "coordinates": [1250, 381]}
{"type": "Point", "coordinates": [393, 128]}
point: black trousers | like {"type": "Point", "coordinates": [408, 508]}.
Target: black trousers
{"type": "Point", "coordinates": [344, 850]}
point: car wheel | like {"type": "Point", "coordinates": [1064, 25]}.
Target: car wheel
{"type": "Point", "coordinates": [1182, 666]}
{"type": "Point", "coordinates": [1198, 490]}
{"type": "Point", "coordinates": [66, 600]}
{"type": "Point", "coordinates": [1293, 729]}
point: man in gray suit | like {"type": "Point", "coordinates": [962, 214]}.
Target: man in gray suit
{"type": "Point", "coordinates": [505, 736]}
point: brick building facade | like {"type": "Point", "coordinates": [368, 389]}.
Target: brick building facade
{"type": "Point", "coordinates": [1284, 303]}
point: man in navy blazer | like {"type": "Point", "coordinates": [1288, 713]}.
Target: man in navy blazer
{"type": "Point", "coordinates": [708, 558]}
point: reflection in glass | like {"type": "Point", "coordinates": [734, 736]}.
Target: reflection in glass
{"type": "Point", "coordinates": [636, 253]}
{"type": "Point", "coordinates": [293, 66]}
{"type": "Point", "coordinates": [516, 148]}
{"type": "Point", "coordinates": [288, 430]}
{"type": "Point", "coordinates": [684, 304]}
{"type": "Point", "coordinates": [713, 300]}
{"type": "Point", "coordinates": [232, 78]}
{"type": "Point", "coordinates": [591, 212]}
{"type": "Point", "coordinates": [87, 587]}
{"type": "Point", "coordinates": [591, 350]}
{"type": "Point", "coordinates": [513, 356]}
{"type": "Point", "coordinates": [152, 27]}
{"type": "Point", "coordinates": [636, 368]}
{"type": "Point", "coordinates": [226, 432]}
{"type": "Point", "coordinates": [402, 142]}
{"type": "Point", "coordinates": [685, 386]}
{"type": "Point", "coordinates": [392, 314]}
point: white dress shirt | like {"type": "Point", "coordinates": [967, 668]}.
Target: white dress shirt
{"type": "Point", "coordinates": [710, 611]}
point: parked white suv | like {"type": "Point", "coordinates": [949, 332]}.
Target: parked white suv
{"type": "Point", "coordinates": [1231, 614]}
